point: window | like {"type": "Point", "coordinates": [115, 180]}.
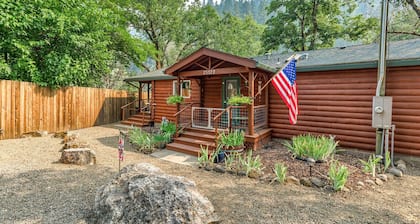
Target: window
{"type": "Point", "coordinates": [185, 88]}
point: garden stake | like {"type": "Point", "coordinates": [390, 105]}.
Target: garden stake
{"type": "Point", "coordinates": [120, 150]}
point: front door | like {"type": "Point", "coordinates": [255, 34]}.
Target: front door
{"type": "Point", "coordinates": [231, 87]}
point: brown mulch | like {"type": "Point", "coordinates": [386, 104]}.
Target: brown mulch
{"type": "Point", "coordinates": [275, 152]}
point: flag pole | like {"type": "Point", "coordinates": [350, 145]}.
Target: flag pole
{"type": "Point", "coordinates": [284, 66]}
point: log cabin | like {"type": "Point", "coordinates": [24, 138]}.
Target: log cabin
{"type": "Point", "coordinates": [335, 91]}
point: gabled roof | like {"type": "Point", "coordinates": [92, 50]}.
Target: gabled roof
{"type": "Point", "coordinates": [400, 53]}
{"type": "Point", "coordinates": [150, 76]}
{"type": "Point", "coordinates": [202, 53]}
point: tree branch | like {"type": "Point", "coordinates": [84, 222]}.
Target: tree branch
{"type": "Point", "coordinates": [415, 7]}
{"type": "Point", "coordinates": [403, 32]}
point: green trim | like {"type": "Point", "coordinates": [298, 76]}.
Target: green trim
{"type": "Point", "coordinates": [238, 79]}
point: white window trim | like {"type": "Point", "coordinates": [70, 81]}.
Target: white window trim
{"type": "Point", "coordinates": [175, 86]}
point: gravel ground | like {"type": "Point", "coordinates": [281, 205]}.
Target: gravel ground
{"type": "Point", "coordinates": [34, 188]}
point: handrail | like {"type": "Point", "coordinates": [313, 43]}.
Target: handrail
{"type": "Point", "coordinates": [221, 112]}
{"type": "Point", "coordinates": [128, 104]}
{"type": "Point", "coordinates": [260, 106]}
{"type": "Point", "coordinates": [180, 111]}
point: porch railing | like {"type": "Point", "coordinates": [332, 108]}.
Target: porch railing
{"type": "Point", "coordinates": [129, 109]}
{"type": "Point", "coordinates": [260, 116]}
{"type": "Point", "coordinates": [183, 116]}
{"type": "Point", "coordinates": [210, 118]}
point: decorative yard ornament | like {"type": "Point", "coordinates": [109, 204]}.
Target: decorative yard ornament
{"type": "Point", "coordinates": [120, 149]}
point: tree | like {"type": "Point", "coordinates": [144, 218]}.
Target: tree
{"type": "Point", "coordinates": [63, 43]}
{"type": "Point", "coordinates": [403, 24]}
{"type": "Point", "coordinates": [302, 25]}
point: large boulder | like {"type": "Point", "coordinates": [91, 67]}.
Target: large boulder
{"type": "Point", "coordinates": [141, 193]}
{"type": "Point", "coordinates": [78, 156]}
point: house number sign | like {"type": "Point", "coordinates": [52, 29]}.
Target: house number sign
{"type": "Point", "coordinates": [209, 72]}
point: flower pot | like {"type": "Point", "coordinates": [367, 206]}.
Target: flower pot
{"type": "Point", "coordinates": [230, 149]}
{"type": "Point", "coordinates": [220, 157]}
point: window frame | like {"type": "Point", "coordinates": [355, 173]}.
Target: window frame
{"type": "Point", "coordinates": [175, 88]}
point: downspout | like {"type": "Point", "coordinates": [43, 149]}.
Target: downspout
{"type": "Point", "coordinates": [380, 88]}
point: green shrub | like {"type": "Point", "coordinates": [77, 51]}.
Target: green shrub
{"type": "Point", "coordinates": [387, 161]}
{"type": "Point", "coordinates": [280, 170]}
{"type": "Point", "coordinates": [316, 147]}
{"type": "Point", "coordinates": [174, 99]}
{"type": "Point", "coordinates": [371, 164]}
{"type": "Point", "coordinates": [338, 175]}
{"type": "Point", "coordinates": [239, 100]}
{"type": "Point", "coordinates": [232, 139]}
{"type": "Point", "coordinates": [168, 129]}
{"type": "Point", "coordinates": [142, 140]}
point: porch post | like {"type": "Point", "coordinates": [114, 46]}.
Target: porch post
{"type": "Point", "coordinates": [178, 106]}
{"type": "Point", "coordinates": [251, 107]}
{"type": "Point", "coordinates": [140, 94]}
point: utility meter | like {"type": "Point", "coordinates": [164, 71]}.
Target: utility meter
{"type": "Point", "coordinates": [382, 112]}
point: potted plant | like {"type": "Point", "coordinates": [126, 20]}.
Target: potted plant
{"type": "Point", "coordinates": [168, 129]}
{"type": "Point", "coordinates": [174, 99]}
{"type": "Point", "coordinates": [239, 100]}
{"type": "Point", "coordinates": [233, 141]}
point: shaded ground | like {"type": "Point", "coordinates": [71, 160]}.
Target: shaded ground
{"type": "Point", "coordinates": [35, 189]}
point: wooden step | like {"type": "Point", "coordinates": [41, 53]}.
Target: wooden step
{"type": "Point", "coordinates": [136, 119]}
{"type": "Point", "coordinates": [198, 130]}
{"type": "Point", "coordinates": [194, 142]}
{"type": "Point", "coordinates": [134, 123]}
{"type": "Point", "coordinates": [199, 136]}
{"type": "Point", "coordinates": [187, 149]}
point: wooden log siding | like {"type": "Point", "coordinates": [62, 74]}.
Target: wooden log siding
{"type": "Point", "coordinates": [26, 107]}
{"type": "Point", "coordinates": [162, 90]}
{"type": "Point", "coordinates": [339, 103]}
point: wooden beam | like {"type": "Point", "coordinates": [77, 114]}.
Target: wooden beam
{"type": "Point", "coordinates": [218, 64]}
{"type": "Point", "coordinates": [246, 80]}
{"type": "Point", "coordinates": [251, 75]}
{"type": "Point", "coordinates": [202, 66]}
{"type": "Point", "coordinates": [217, 71]}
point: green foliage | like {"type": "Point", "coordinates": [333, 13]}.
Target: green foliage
{"type": "Point", "coordinates": [251, 164]}
{"type": "Point", "coordinates": [230, 160]}
{"type": "Point", "coordinates": [174, 99]}
{"type": "Point", "coordinates": [64, 43]}
{"type": "Point", "coordinates": [232, 139]}
{"type": "Point", "coordinates": [338, 175]}
{"type": "Point", "coordinates": [203, 158]}
{"type": "Point", "coordinates": [316, 147]}
{"type": "Point", "coordinates": [387, 161]}
{"type": "Point", "coordinates": [310, 25]}
{"type": "Point", "coordinates": [404, 24]}
{"type": "Point", "coordinates": [280, 170]}
{"type": "Point", "coordinates": [143, 140]}
{"type": "Point", "coordinates": [240, 100]}
{"type": "Point", "coordinates": [370, 166]}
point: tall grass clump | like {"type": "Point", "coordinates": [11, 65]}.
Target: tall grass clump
{"type": "Point", "coordinates": [338, 175]}
{"type": "Point", "coordinates": [370, 166]}
{"type": "Point", "coordinates": [280, 170]}
{"type": "Point", "coordinates": [310, 146]}
{"type": "Point", "coordinates": [141, 139]}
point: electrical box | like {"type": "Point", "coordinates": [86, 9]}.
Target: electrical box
{"type": "Point", "coordinates": [382, 112]}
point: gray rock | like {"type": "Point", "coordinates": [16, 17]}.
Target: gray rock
{"type": "Point", "coordinates": [389, 176]}
{"type": "Point", "coordinates": [317, 182]}
{"type": "Point", "coordinates": [310, 160]}
{"type": "Point", "coordinates": [371, 182]}
{"type": "Point", "coordinates": [402, 167]}
{"type": "Point", "coordinates": [242, 173]}
{"type": "Point", "coordinates": [219, 169]}
{"type": "Point", "coordinates": [378, 181]}
{"type": "Point", "coordinates": [400, 161]}
{"type": "Point", "coordinates": [305, 182]}
{"type": "Point", "coordinates": [396, 172]}
{"type": "Point", "coordinates": [383, 177]}
{"type": "Point", "coordinates": [141, 193]}
{"type": "Point", "coordinates": [292, 179]}
{"type": "Point", "coordinates": [78, 156]}
{"type": "Point", "coordinates": [360, 183]}
{"type": "Point", "coordinates": [345, 189]}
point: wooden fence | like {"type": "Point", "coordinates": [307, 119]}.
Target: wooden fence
{"type": "Point", "coordinates": [26, 107]}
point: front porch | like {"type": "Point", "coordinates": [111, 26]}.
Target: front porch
{"type": "Point", "coordinates": [208, 79]}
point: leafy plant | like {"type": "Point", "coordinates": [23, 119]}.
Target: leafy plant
{"type": "Point", "coordinates": [168, 129]}
{"type": "Point", "coordinates": [240, 100]}
{"type": "Point", "coordinates": [174, 99]}
{"type": "Point", "coordinates": [232, 139]}
{"type": "Point", "coordinates": [316, 147]}
{"type": "Point", "coordinates": [280, 170]}
{"type": "Point", "coordinates": [370, 165]}
{"type": "Point", "coordinates": [203, 159]}
{"type": "Point", "coordinates": [142, 140]}
{"type": "Point", "coordinates": [160, 140]}
{"type": "Point", "coordinates": [214, 154]}
{"type": "Point", "coordinates": [252, 164]}
{"type": "Point", "coordinates": [338, 175]}
{"type": "Point", "coordinates": [387, 161]}
{"type": "Point", "coordinates": [230, 159]}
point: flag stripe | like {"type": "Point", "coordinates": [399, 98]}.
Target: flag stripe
{"type": "Point", "coordinates": [284, 82]}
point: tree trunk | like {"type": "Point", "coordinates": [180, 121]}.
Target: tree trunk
{"type": "Point", "coordinates": [413, 5]}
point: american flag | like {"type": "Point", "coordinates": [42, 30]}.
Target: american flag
{"type": "Point", "coordinates": [285, 84]}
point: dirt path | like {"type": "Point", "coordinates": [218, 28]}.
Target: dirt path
{"type": "Point", "coordinates": [35, 189]}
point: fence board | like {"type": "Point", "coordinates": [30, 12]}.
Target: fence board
{"type": "Point", "coordinates": [26, 107]}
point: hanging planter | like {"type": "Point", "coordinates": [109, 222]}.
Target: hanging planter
{"type": "Point", "coordinates": [174, 99]}
{"type": "Point", "coordinates": [239, 100]}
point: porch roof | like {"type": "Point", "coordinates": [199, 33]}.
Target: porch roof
{"type": "Point", "coordinates": [207, 60]}
{"type": "Point", "coordinates": [150, 76]}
